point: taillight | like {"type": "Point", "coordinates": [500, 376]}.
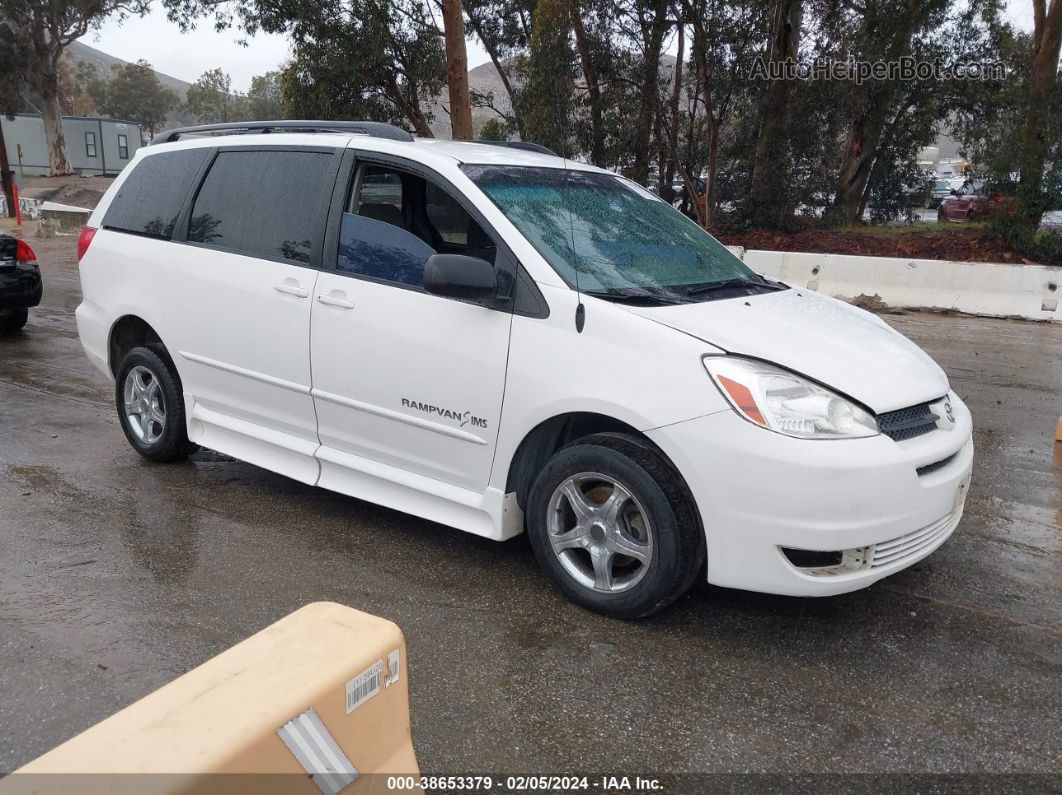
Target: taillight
{"type": "Point", "coordinates": [23, 253]}
{"type": "Point", "coordinates": [83, 240]}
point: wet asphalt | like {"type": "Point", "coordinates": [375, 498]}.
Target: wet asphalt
{"type": "Point", "coordinates": [117, 575]}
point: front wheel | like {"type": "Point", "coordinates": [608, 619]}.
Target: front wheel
{"type": "Point", "coordinates": [615, 527]}
{"type": "Point", "coordinates": [151, 405]}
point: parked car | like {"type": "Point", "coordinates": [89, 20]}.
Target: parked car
{"type": "Point", "coordinates": [20, 282]}
{"type": "Point", "coordinates": [943, 188]}
{"type": "Point", "coordinates": [974, 206]}
{"type": "Point", "coordinates": [504, 340]}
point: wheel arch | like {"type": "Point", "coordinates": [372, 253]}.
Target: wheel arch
{"type": "Point", "coordinates": [128, 332]}
{"type": "Point", "coordinates": [550, 435]}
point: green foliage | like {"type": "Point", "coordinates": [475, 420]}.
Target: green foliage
{"type": "Point", "coordinates": [581, 76]}
{"type": "Point", "coordinates": [210, 98]}
{"type": "Point", "coordinates": [1041, 246]}
{"type": "Point", "coordinates": [134, 93]}
{"type": "Point", "coordinates": [264, 100]}
{"type": "Point", "coordinates": [10, 78]}
{"type": "Point", "coordinates": [494, 129]}
{"type": "Point", "coordinates": [351, 59]}
{"type": "Point", "coordinates": [546, 101]}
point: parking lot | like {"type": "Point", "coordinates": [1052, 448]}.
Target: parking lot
{"type": "Point", "coordinates": [117, 575]}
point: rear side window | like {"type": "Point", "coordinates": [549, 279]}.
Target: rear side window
{"type": "Point", "coordinates": [151, 198]}
{"type": "Point", "coordinates": [263, 204]}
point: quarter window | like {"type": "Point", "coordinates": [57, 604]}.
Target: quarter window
{"type": "Point", "coordinates": [90, 144]}
{"type": "Point", "coordinates": [151, 197]}
{"type": "Point", "coordinates": [123, 146]}
{"type": "Point", "coordinates": [261, 203]}
{"type": "Point", "coordinates": [397, 220]}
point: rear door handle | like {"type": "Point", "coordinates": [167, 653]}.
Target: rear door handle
{"type": "Point", "coordinates": [291, 289]}
{"type": "Point", "coordinates": [331, 300]}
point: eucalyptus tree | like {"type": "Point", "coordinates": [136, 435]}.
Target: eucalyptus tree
{"type": "Point", "coordinates": [375, 59]}
{"type": "Point", "coordinates": [38, 31]}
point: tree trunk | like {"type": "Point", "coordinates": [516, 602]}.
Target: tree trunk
{"type": "Point", "coordinates": [58, 164]}
{"type": "Point", "coordinates": [713, 170]}
{"type": "Point", "coordinates": [457, 70]}
{"type": "Point", "coordinates": [411, 110]}
{"type": "Point", "coordinates": [6, 180]}
{"type": "Point", "coordinates": [593, 88]}
{"type": "Point", "coordinates": [870, 122]}
{"type": "Point", "coordinates": [649, 98]}
{"type": "Point", "coordinates": [859, 153]}
{"type": "Point", "coordinates": [503, 72]}
{"type": "Point", "coordinates": [770, 167]}
{"type": "Point", "coordinates": [668, 175]}
{"type": "Point", "coordinates": [1047, 40]}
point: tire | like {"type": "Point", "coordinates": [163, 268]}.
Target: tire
{"type": "Point", "coordinates": [14, 321]}
{"type": "Point", "coordinates": [164, 438]}
{"type": "Point", "coordinates": [653, 509]}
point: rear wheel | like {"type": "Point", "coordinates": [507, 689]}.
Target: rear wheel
{"type": "Point", "coordinates": [150, 405]}
{"type": "Point", "coordinates": [15, 320]}
{"type": "Point", "coordinates": [613, 524]}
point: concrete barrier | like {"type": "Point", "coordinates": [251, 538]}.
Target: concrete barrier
{"type": "Point", "coordinates": [316, 703]}
{"type": "Point", "coordinates": [1031, 292]}
{"type": "Point", "coordinates": [61, 219]}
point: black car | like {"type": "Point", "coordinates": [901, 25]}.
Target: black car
{"type": "Point", "coordinates": [20, 282]}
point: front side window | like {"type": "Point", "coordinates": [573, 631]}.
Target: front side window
{"type": "Point", "coordinates": [396, 220]}
{"type": "Point", "coordinates": [90, 144]}
{"type": "Point", "coordinates": [123, 146]}
{"type": "Point", "coordinates": [151, 197]}
{"type": "Point", "coordinates": [604, 233]}
{"type": "Point", "coordinates": [261, 203]}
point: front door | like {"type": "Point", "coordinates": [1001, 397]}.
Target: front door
{"type": "Point", "coordinates": [401, 378]}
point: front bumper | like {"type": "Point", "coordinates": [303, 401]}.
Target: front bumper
{"type": "Point", "coordinates": [20, 287]}
{"type": "Point", "coordinates": [759, 492]}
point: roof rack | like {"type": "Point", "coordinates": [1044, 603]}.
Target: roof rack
{"type": "Point", "coordinates": [377, 129]}
{"type": "Point", "coordinates": [526, 145]}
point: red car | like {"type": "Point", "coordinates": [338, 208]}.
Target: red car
{"type": "Point", "coordinates": [973, 207]}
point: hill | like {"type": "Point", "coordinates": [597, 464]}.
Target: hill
{"type": "Point", "coordinates": [77, 52]}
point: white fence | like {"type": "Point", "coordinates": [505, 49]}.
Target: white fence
{"type": "Point", "coordinates": [31, 208]}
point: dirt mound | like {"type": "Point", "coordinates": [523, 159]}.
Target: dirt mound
{"type": "Point", "coordinates": [960, 243]}
{"type": "Point", "coordinates": [77, 191]}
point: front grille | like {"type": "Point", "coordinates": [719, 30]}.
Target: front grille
{"type": "Point", "coordinates": [910, 545]}
{"type": "Point", "coordinates": [908, 423]}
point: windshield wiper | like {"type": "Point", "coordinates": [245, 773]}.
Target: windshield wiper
{"type": "Point", "coordinates": [731, 284]}
{"type": "Point", "coordinates": [631, 295]}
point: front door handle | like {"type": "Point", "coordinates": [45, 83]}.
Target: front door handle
{"type": "Point", "coordinates": [291, 287]}
{"type": "Point", "coordinates": [331, 300]}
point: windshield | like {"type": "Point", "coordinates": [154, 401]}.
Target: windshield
{"type": "Point", "coordinates": [604, 233]}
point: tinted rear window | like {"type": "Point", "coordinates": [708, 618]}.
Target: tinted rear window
{"type": "Point", "coordinates": [151, 198]}
{"type": "Point", "coordinates": [264, 204]}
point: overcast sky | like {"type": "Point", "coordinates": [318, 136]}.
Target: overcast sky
{"type": "Point", "coordinates": [188, 55]}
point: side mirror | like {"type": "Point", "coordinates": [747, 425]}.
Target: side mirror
{"type": "Point", "coordinates": [461, 277]}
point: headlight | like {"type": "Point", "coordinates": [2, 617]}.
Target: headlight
{"type": "Point", "coordinates": [784, 402]}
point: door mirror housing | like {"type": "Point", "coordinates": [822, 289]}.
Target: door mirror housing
{"type": "Point", "coordinates": [461, 277]}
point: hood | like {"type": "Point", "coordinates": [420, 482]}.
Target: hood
{"type": "Point", "coordinates": [845, 348]}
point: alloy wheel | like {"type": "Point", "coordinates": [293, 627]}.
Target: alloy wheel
{"type": "Point", "coordinates": [599, 532]}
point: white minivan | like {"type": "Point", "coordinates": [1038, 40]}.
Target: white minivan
{"type": "Point", "coordinates": [497, 339]}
